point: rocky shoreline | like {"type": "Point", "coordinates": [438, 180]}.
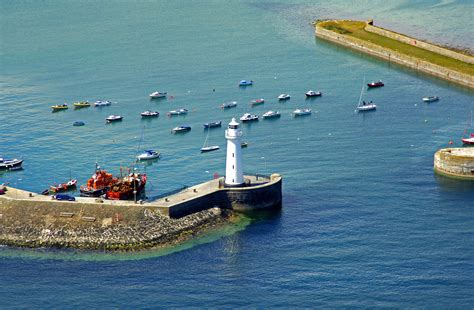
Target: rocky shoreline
{"type": "Point", "coordinates": [151, 231]}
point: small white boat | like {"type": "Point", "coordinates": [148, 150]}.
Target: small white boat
{"type": "Point", "coordinates": [181, 128]}
{"type": "Point", "coordinates": [301, 112]}
{"type": "Point", "coordinates": [209, 148]}
{"type": "Point", "coordinates": [247, 117]}
{"type": "Point", "coordinates": [271, 114]}
{"type": "Point", "coordinates": [363, 106]}
{"type": "Point", "coordinates": [148, 154]}
{"type": "Point", "coordinates": [257, 101]}
{"type": "Point", "coordinates": [284, 97]}
{"type": "Point", "coordinates": [178, 112]}
{"type": "Point", "coordinates": [430, 98]}
{"type": "Point", "coordinates": [157, 94]}
{"type": "Point", "coordinates": [113, 118]}
{"type": "Point", "coordinates": [312, 93]}
{"type": "Point", "coordinates": [245, 83]}
{"type": "Point", "coordinates": [230, 104]}
{"type": "Point", "coordinates": [150, 114]}
{"type": "Point", "coordinates": [102, 103]}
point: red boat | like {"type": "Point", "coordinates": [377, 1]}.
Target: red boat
{"type": "Point", "coordinates": [130, 187]}
{"type": "Point", "coordinates": [98, 184]}
{"type": "Point", "coordinates": [62, 187]}
{"type": "Point", "coordinates": [469, 140]}
{"type": "Point", "coordinates": [375, 84]}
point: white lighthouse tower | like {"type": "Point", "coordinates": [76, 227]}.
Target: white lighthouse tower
{"type": "Point", "coordinates": [234, 175]}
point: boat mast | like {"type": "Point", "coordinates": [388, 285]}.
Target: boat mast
{"type": "Point", "coordinates": [361, 91]}
{"type": "Point", "coordinates": [207, 136]}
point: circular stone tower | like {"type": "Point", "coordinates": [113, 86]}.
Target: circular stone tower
{"type": "Point", "coordinates": [234, 176]}
{"type": "Point", "coordinates": [455, 162]}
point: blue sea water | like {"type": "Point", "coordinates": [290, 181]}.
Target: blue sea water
{"type": "Point", "coordinates": [365, 222]}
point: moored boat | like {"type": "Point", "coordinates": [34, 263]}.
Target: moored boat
{"type": "Point", "coordinates": [271, 114]}
{"type": "Point", "coordinates": [211, 148]}
{"type": "Point", "coordinates": [102, 103]}
{"type": "Point", "coordinates": [78, 123]}
{"type": "Point", "coordinates": [257, 102]}
{"type": "Point", "coordinates": [98, 184]}
{"type": "Point", "coordinates": [469, 140]}
{"type": "Point", "coordinates": [212, 124]}
{"type": "Point", "coordinates": [61, 187]}
{"type": "Point", "coordinates": [131, 186]}
{"type": "Point", "coordinates": [247, 117]}
{"type": "Point", "coordinates": [157, 94]}
{"type": "Point", "coordinates": [113, 118]}
{"type": "Point", "coordinates": [178, 112]}
{"type": "Point", "coordinates": [59, 107]}
{"type": "Point", "coordinates": [10, 164]}
{"type": "Point", "coordinates": [284, 97]}
{"type": "Point", "coordinates": [366, 106]}
{"type": "Point", "coordinates": [81, 104]}
{"type": "Point", "coordinates": [312, 93]}
{"type": "Point", "coordinates": [149, 154]}
{"type": "Point", "coordinates": [301, 112]}
{"type": "Point", "coordinates": [182, 128]}
{"type": "Point", "coordinates": [150, 114]}
{"type": "Point", "coordinates": [244, 144]}
{"type": "Point", "coordinates": [430, 98]}
{"type": "Point", "coordinates": [245, 83]}
{"type": "Point", "coordinates": [230, 104]}
{"type": "Point", "coordinates": [375, 84]}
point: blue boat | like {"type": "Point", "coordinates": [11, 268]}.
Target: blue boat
{"type": "Point", "coordinates": [213, 124]}
{"type": "Point", "coordinates": [245, 83]}
{"type": "Point", "coordinates": [78, 123]}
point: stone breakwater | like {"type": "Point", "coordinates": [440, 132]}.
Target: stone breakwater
{"type": "Point", "coordinates": [455, 163]}
{"type": "Point", "coordinates": [150, 231]}
{"type": "Point", "coordinates": [397, 57]}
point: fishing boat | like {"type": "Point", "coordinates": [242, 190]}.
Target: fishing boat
{"type": "Point", "coordinates": [78, 123]}
{"type": "Point", "coordinates": [245, 83]}
{"type": "Point", "coordinates": [113, 118]}
{"type": "Point", "coordinates": [98, 183]}
{"type": "Point", "coordinates": [468, 139]}
{"type": "Point", "coordinates": [150, 114]}
{"type": "Point", "coordinates": [312, 93]}
{"type": "Point", "coordinates": [257, 102]}
{"type": "Point", "coordinates": [284, 97]}
{"type": "Point", "coordinates": [301, 112]}
{"type": "Point", "coordinates": [10, 164]}
{"type": "Point", "coordinates": [82, 104]}
{"type": "Point", "coordinates": [247, 117]}
{"type": "Point", "coordinates": [157, 94]}
{"type": "Point", "coordinates": [363, 106]}
{"type": "Point", "coordinates": [213, 124]}
{"type": "Point", "coordinates": [430, 98]}
{"type": "Point", "coordinates": [61, 187]}
{"type": "Point", "coordinates": [131, 186]}
{"type": "Point", "coordinates": [182, 128]}
{"type": "Point", "coordinates": [178, 112]}
{"type": "Point", "coordinates": [271, 114]}
{"type": "Point", "coordinates": [149, 154]}
{"type": "Point", "coordinates": [230, 104]}
{"type": "Point", "coordinates": [205, 148]}
{"type": "Point", "coordinates": [102, 103]}
{"type": "Point", "coordinates": [375, 84]}
{"type": "Point", "coordinates": [59, 107]}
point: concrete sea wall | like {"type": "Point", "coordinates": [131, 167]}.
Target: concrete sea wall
{"type": "Point", "coordinates": [455, 162]}
{"type": "Point", "coordinates": [394, 56]}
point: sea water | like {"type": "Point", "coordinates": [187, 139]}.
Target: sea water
{"type": "Point", "coordinates": [365, 222]}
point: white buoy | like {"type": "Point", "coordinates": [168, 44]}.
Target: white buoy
{"type": "Point", "coordinates": [234, 175]}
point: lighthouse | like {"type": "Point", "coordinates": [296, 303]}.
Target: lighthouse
{"type": "Point", "coordinates": [234, 175]}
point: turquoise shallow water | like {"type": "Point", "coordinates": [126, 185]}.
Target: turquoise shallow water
{"type": "Point", "coordinates": [365, 223]}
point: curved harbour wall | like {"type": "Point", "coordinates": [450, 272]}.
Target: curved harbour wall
{"type": "Point", "coordinates": [394, 56]}
{"type": "Point", "coordinates": [455, 163]}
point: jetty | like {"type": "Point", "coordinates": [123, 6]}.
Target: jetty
{"type": "Point", "coordinates": [29, 219]}
{"type": "Point", "coordinates": [445, 63]}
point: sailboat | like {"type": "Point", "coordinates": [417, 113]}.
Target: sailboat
{"type": "Point", "coordinates": [469, 140]}
{"type": "Point", "coordinates": [363, 106]}
{"type": "Point", "coordinates": [211, 148]}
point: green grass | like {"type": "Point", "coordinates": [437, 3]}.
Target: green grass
{"type": "Point", "coordinates": [356, 29]}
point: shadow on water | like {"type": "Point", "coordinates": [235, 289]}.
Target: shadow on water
{"type": "Point", "coordinates": [454, 185]}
